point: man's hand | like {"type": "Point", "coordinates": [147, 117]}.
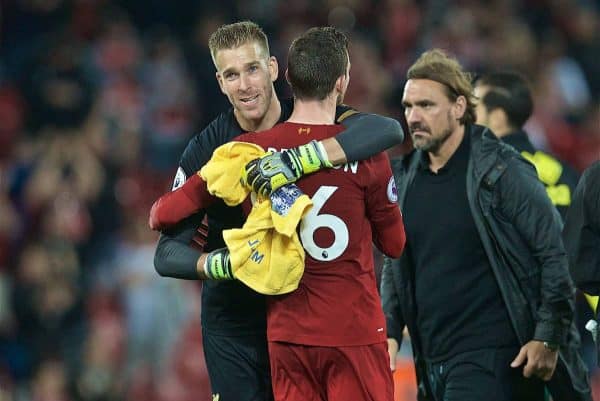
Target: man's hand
{"type": "Point", "coordinates": [274, 170]}
{"type": "Point", "coordinates": [392, 351]}
{"type": "Point", "coordinates": [270, 172]}
{"type": "Point", "coordinates": [541, 361]}
{"type": "Point", "coordinates": [217, 265]}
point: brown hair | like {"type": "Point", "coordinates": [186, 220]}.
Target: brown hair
{"type": "Point", "coordinates": [315, 61]}
{"type": "Point", "coordinates": [235, 35]}
{"type": "Point", "coordinates": [439, 67]}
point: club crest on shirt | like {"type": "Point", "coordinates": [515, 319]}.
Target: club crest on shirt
{"type": "Point", "coordinates": [180, 178]}
{"type": "Point", "coordinates": [392, 191]}
{"type": "Point", "coordinates": [283, 199]}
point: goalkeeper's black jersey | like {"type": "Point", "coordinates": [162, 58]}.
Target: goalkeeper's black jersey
{"type": "Point", "coordinates": [228, 307]}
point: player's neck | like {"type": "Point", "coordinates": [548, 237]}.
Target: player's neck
{"type": "Point", "coordinates": [314, 111]}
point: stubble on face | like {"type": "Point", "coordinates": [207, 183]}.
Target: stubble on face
{"type": "Point", "coordinates": [434, 141]}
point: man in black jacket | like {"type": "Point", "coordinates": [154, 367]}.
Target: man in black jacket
{"type": "Point", "coordinates": [483, 285]}
{"type": "Point", "coordinates": [504, 106]}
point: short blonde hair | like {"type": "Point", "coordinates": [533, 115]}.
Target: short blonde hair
{"type": "Point", "coordinates": [437, 66]}
{"type": "Point", "coordinates": [235, 35]}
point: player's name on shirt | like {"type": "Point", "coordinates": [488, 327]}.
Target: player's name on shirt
{"type": "Point", "coordinates": [352, 167]}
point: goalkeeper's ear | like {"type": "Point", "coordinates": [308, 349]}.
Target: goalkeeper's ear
{"type": "Point", "coordinates": [341, 85]}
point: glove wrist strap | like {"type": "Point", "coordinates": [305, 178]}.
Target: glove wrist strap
{"type": "Point", "coordinates": [312, 157]}
{"type": "Point", "coordinates": [217, 266]}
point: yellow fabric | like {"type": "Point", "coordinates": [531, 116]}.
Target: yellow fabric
{"type": "Point", "coordinates": [266, 253]}
{"type": "Point", "coordinates": [548, 168]}
{"type": "Point", "coordinates": [263, 257]}
{"type": "Point", "coordinates": [222, 172]}
{"type": "Point", "coordinates": [592, 301]}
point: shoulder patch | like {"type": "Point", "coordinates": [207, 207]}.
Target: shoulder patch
{"type": "Point", "coordinates": [392, 191]}
{"type": "Point", "coordinates": [180, 178]}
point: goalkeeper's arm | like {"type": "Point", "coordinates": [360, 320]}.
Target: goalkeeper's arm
{"type": "Point", "coordinates": [365, 136]}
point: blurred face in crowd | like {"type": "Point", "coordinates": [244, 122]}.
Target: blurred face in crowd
{"type": "Point", "coordinates": [246, 75]}
{"type": "Point", "coordinates": [481, 111]}
{"type": "Point", "coordinates": [431, 116]}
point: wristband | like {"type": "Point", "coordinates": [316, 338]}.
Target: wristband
{"type": "Point", "coordinates": [217, 265]}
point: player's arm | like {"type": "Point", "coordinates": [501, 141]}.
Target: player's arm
{"type": "Point", "coordinates": [365, 136]}
{"type": "Point", "coordinates": [391, 308]}
{"type": "Point", "coordinates": [382, 209]}
{"type": "Point", "coordinates": [172, 260]}
{"type": "Point", "coordinates": [174, 206]}
{"type": "Point", "coordinates": [174, 257]}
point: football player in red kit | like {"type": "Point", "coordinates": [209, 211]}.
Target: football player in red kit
{"type": "Point", "coordinates": [327, 339]}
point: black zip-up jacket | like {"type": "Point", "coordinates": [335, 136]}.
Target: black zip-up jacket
{"type": "Point", "coordinates": [521, 232]}
{"type": "Point", "coordinates": [582, 232]}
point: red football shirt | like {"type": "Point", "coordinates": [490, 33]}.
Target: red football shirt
{"type": "Point", "coordinates": [336, 303]}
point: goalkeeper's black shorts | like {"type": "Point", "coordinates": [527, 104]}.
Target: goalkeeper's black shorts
{"type": "Point", "coordinates": [238, 367]}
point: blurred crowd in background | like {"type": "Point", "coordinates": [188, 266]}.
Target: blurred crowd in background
{"type": "Point", "coordinates": [98, 98]}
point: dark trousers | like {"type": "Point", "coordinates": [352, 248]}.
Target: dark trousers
{"type": "Point", "coordinates": [238, 367]}
{"type": "Point", "coordinates": [483, 374]}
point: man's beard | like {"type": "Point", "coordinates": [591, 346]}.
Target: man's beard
{"type": "Point", "coordinates": [431, 144]}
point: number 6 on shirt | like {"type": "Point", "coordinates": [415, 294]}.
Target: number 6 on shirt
{"type": "Point", "coordinates": [313, 221]}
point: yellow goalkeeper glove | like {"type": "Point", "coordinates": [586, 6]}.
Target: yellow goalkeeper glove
{"type": "Point", "coordinates": [274, 170]}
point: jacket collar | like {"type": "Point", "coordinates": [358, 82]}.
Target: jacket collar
{"type": "Point", "coordinates": [486, 152]}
